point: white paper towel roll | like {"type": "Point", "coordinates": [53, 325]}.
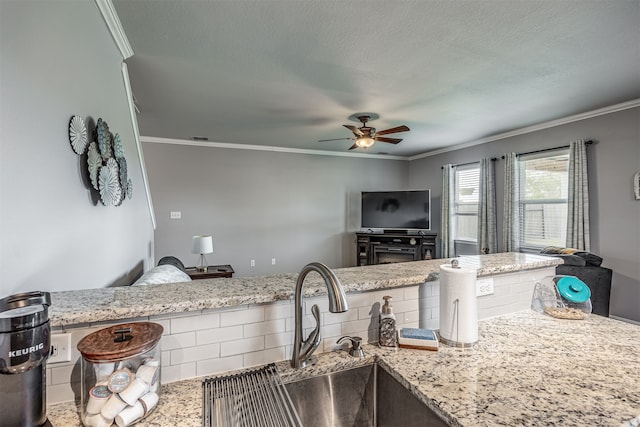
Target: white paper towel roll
{"type": "Point", "coordinates": [458, 305]}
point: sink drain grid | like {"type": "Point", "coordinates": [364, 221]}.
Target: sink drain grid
{"type": "Point", "coordinates": [254, 398]}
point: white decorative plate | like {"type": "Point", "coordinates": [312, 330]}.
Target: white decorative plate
{"type": "Point", "coordinates": [78, 134]}
{"type": "Point", "coordinates": [109, 183]}
{"type": "Point", "coordinates": [94, 162]}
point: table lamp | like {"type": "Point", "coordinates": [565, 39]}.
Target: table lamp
{"type": "Point", "coordinates": [202, 245]}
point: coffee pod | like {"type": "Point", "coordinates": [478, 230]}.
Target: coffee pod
{"type": "Point", "coordinates": [149, 401]}
{"type": "Point", "coordinates": [136, 388]}
{"type": "Point", "coordinates": [97, 420]}
{"type": "Point", "coordinates": [150, 361]}
{"type": "Point", "coordinates": [129, 415]}
{"type": "Point", "coordinates": [113, 407]}
{"type": "Point", "coordinates": [148, 373]}
{"type": "Point", "coordinates": [103, 371]}
{"type": "Point", "coordinates": [119, 380]}
{"type": "Point", "coordinates": [98, 396]}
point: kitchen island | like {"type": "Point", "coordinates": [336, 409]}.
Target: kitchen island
{"type": "Point", "coordinates": [527, 369]}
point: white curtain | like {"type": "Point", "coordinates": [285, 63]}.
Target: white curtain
{"type": "Point", "coordinates": [446, 202]}
{"type": "Point", "coordinates": [578, 199]}
{"type": "Point", "coordinates": [510, 213]}
{"type": "Point", "coordinates": [487, 237]}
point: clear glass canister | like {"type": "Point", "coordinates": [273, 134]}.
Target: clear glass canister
{"type": "Point", "coordinates": [564, 297]}
{"type": "Point", "coordinates": [120, 374]}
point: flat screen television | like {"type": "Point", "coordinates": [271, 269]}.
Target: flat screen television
{"type": "Point", "coordinates": [396, 210]}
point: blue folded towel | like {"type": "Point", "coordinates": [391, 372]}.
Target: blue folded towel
{"type": "Point", "coordinates": [419, 334]}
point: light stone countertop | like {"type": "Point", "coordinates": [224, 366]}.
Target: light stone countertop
{"type": "Point", "coordinates": [105, 304]}
{"type": "Point", "coordinates": [527, 369]}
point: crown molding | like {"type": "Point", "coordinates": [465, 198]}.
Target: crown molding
{"type": "Point", "coordinates": [110, 16]}
{"type": "Point", "coordinates": [211, 144]}
{"type": "Point", "coordinates": [534, 128]}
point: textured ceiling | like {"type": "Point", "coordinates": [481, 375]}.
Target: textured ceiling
{"type": "Point", "coordinates": [288, 73]}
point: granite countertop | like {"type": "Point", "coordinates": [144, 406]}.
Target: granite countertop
{"type": "Point", "coordinates": [527, 369]}
{"type": "Point", "coordinates": [95, 305]}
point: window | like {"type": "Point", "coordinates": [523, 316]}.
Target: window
{"type": "Point", "coordinates": [543, 199]}
{"type": "Point", "coordinates": [465, 211]}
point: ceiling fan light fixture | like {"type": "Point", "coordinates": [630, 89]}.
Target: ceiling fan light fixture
{"type": "Point", "coordinates": [364, 142]}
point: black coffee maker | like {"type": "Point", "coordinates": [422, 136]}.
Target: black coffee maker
{"type": "Point", "coordinates": [24, 349]}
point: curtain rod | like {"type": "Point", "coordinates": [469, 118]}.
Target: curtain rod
{"type": "Point", "coordinates": [589, 142]}
{"type": "Point", "coordinates": [493, 159]}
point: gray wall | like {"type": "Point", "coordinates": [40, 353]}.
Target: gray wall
{"type": "Point", "coordinates": [261, 205]}
{"type": "Point", "coordinates": [615, 215]}
{"type": "Point", "coordinates": [58, 59]}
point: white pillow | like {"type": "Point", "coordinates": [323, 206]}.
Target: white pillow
{"type": "Point", "coordinates": [162, 274]}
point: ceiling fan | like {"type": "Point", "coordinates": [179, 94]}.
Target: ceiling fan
{"type": "Point", "coordinates": [365, 136]}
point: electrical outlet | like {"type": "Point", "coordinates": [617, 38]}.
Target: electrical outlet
{"type": "Point", "coordinates": [176, 215]}
{"type": "Point", "coordinates": [273, 261]}
{"type": "Point", "coordinates": [484, 286]}
{"type": "Point", "coordinates": [60, 348]}
{"type": "Point", "coordinates": [253, 263]}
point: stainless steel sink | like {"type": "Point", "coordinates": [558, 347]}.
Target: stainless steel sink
{"type": "Point", "coordinates": [366, 396]}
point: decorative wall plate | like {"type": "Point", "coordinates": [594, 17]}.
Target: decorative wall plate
{"type": "Point", "coordinates": [122, 164]}
{"type": "Point", "coordinates": [94, 162]}
{"type": "Point", "coordinates": [109, 183]}
{"type": "Point", "coordinates": [78, 134]}
{"type": "Point", "coordinates": [117, 147]}
{"type": "Point", "coordinates": [104, 138]}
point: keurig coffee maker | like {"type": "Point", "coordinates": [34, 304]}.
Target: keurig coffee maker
{"type": "Point", "coordinates": [24, 349]}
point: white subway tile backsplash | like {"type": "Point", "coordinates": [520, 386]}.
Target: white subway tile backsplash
{"type": "Point", "coordinates": [350, 328]}
{"type": "Point", "coordinates": [169, 374]}
{"type": "Point", "coordinates": [230, 348]}
{"type": "Point", "coordinates": [195, 323]}
{"type": "Point", "coordinates": [368, 312]}
{"type": "Point", "coordinates": [217, 366]}
{"type": "Point", "coordinates": [62, 392]}
{"type": "Point", "coordinates": [365, 299]}
{"type": "Point", "coordinates": [411, 292]}
{"type": "Point", "coordinates": [63, 375]}
{"type": "Point", "coordinates": [411, 317]}
{"type": "Point", "coordinates": [263, 357]}
{"type": "Point", "coordinates": [395, 294]}
{"type": "Point", "coordinates": [331, 318]}
{"type": "Point", "coordinates": [264, 328]}
{"type": "Point", "coordinates": [278, 340]}
{"type": "Point", "coordinates": [278, 310]}
{"type": "Point", "coordinates": [192, 354]}
{"type": "Point", "coordinates": [171, 342]}
{"type": "Point", "coordinates": [241, 317]}
{"type": "Point", "coordinates": [404, 306]}
{"type": "Point", "coordinates": [209, 336]}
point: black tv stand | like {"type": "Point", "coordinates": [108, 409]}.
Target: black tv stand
{"type": "Point", "coordinates": [392, 246]}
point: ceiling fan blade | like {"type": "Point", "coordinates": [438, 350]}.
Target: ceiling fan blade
{"type": "Point", "coordinates": [355, 130]}
{"type": "Point", "coordinates": [396, 129]}
{"type": "Point", "coordinates": [389, 140]}
{"type": "Point", "coordinates": [353, 146]}
{"type": "Point", "coordinates": [336, 139]}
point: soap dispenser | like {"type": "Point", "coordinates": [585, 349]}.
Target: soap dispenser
{"type": "Point", "coordinates": [388, 333]}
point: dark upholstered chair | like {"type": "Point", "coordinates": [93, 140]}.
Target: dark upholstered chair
{"type": "Point", "coordinates": [586, 267]}
{"type": "Point", "coordinates": [171, 260]}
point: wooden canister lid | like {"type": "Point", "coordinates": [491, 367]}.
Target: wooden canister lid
{"type": "Point", "coordinates": [112, 344]}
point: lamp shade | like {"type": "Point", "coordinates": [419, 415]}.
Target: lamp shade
{"type": "Point", "coordinates": [202, 245]}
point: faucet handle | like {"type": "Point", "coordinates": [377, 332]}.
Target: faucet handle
{"type": "Point", "coordinates": [356, 345]}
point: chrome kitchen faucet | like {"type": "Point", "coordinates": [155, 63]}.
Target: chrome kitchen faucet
{"type": "Point", "coordinates": [303, 349]}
